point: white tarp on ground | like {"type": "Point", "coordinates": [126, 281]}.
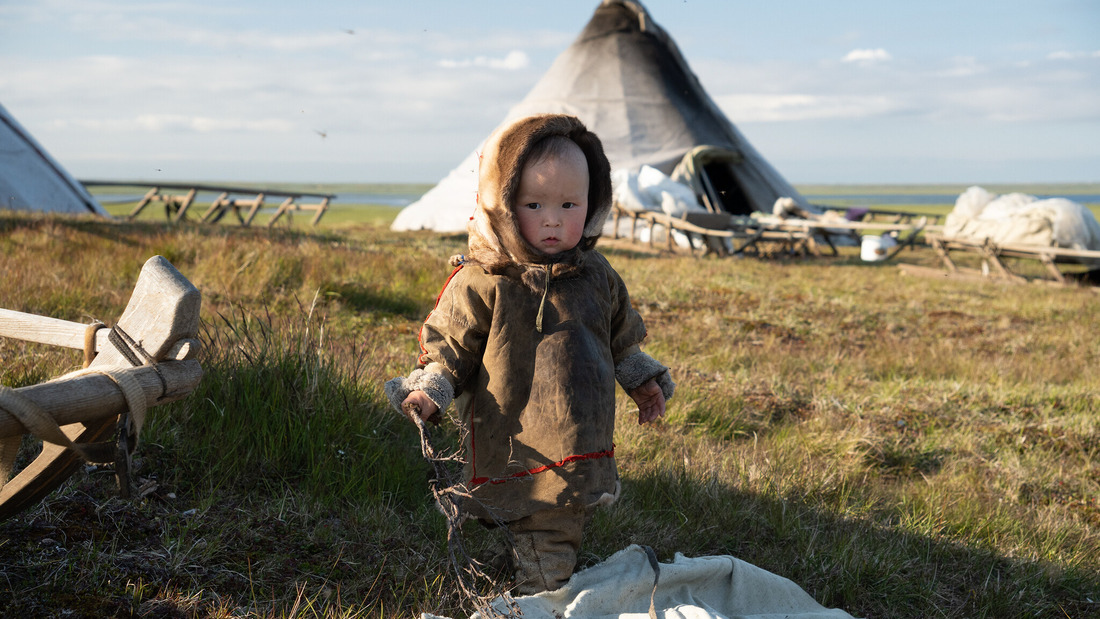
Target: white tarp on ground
{"type": "Point", "coordinates": [1022, 218]}
{"type": "Point", "coordinates": [689, 588]}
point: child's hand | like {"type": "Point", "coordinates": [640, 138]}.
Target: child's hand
{"type": "Point", "coordinates": [650, 401]}
{"type": "Point", "coordinates": [421, 401]}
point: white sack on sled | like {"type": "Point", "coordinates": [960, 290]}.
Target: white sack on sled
{"type": "Point", "coordinates": [719, 587]}
{"type": "Point", "coordinates": [1022, 218]}
{"type": "Point", "coordinates": [649, 189]}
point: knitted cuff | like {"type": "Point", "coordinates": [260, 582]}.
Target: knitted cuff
{"type": "Point", "coordinates": [430, 380]}
{"type": "Point", "coordinates": [638, 368]}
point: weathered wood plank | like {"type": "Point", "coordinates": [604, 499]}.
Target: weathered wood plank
{"type": "Point", "coordinates": [57, 332]}
{"type": "Point", "coordinates": [163, 309]}
{"type": "Point", "coordinates": [322, 207]}
{"type": "Point", "coordinates": [92, 396]}
{"type": "Point", "coordinates": [256, 206]}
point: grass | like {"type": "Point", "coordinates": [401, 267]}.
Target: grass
{"type": "Point", "coordinates": [898, 447]}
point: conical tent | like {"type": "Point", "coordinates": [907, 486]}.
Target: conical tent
{"type": "Point", "coordinates": [31, 180]}
{"type": "Point", "coordinates": [625, 78]}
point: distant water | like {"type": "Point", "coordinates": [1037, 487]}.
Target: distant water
{"type": "Point", "coordinates": [395, 200]}
{"type": "Point", "coordinates": [864, 199]}
{"type": "Point", "coordinates": [398, 200]}
{"type": "Point", "coordinates": [387, 199]}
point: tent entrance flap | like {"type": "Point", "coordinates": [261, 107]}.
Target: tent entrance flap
{"type": "Point", "coordinates": [709, 171]}
{"type": "Point", "coordinates": [724, 191]}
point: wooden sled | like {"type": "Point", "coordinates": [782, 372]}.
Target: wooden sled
{"type": "Point", "coordinates": [995, 268]}
{"type": "Point", "coordinates": [145, 359]}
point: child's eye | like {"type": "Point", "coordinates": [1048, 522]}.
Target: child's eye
{"type": "Point", "coordinates": [569, 205]}
{"type": "Point", "coordinates": [532, 205]}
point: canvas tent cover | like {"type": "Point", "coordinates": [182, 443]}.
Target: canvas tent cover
{"type": "Point", "coordinates": [1024, 219]}
{"type": "Point", "coordinates": [716, 587]}
{"type": "Point", "coordinates": [626, 80]}
{"type": "Point", "coordinates": [31, 180]}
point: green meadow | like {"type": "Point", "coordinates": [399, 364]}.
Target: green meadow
{"type": "Point", "coordinates": [898, 446]}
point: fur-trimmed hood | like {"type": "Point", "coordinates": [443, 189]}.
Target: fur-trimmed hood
{"type": "Point", "coordinates": [495, 239]}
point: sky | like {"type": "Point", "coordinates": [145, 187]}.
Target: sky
{"type": "Point", "coordinates": [849, 91]}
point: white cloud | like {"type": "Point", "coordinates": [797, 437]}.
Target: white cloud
{"type": "Point", "coordinates": [798, 107]}
{"type": "Point", "coordinates": [963, 66]}
{"type": "Point", "coordinates": [151, 82]}
{"type": "Point", "coordinates": [173, 123]}
{"type": "Point", "coordinates": [867, 56]}
{"type": "Point", "coordinates": [515, 60]}
{"type": "Point", "coordinates": [204, 124]}
{"type": "Point", "coordinates": [1067, 55]}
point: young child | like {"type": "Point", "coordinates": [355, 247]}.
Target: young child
{"type": "Point", "coordinates": [528, 337]}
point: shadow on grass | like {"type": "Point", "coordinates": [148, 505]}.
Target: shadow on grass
{"type": "Point", "coordinates": [131, 233]}
{"type": "Point", "coordinates": [368, 299]}
{"type": "Point", "coordinates": [867, 567]}
{"type": "Point", "coordinates": [264, 526]}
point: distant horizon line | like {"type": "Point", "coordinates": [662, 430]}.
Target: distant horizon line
{"type": "Point", "coordinates": [139, 182]}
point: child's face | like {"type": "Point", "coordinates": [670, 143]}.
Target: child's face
{"type": "Point", "coordinates": [552, 202]}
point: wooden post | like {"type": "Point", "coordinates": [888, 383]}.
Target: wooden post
{"type": "Point", "coordinates": [259, 202]}
{"type": "Point", "coordinates": [187, 200]}
{"type": "Point", "coordinates": [991, 254]}
{"type": "Point", "coordinates": [1048, 261]}
{"type": "Point", "coordinates": [285, 207]}
{"type": "Point", "coordinates": [149, 196]}
{"type": "Point", "coordinates": [941, 248]}
{"type": "Point", "coordinates": [321, 208]}
{"type": "Point", "coordinates": [215, 207]}
{"type": "Point", "coordinates": [163, 309]}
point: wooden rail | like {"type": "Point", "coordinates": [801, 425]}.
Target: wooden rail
{"type": "Point", "coordinates": [830, 230]}
{"type": "Point", "coordinates": [178, 198]}
{"type": "Point", "coordinates": [994, 266]}
{"type": "Point", "coordinates": [885, 216]}
{"type": "Point", "coordinates": [730, 234]}
{"type": "Point", "coordinates": [719, 233]}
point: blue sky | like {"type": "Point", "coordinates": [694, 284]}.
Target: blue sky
{"type": "Point", "coordinates": [953, 91]}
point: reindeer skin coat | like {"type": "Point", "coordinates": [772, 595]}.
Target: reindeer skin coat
{"type": "Point", "coordinates": [530, 346]}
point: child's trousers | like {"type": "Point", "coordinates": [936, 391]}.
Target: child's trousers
{"type": "Point", "coordinates": [546, 544]}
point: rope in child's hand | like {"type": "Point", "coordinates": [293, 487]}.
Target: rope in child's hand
{"type": "Point", "coordinates": [446, 488]}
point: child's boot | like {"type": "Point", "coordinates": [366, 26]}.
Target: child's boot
{"type": "Point", "coordinates": [546, 545]}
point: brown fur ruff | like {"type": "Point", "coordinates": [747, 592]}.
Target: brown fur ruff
{"type": "Point", "coordinates": [495, 240]}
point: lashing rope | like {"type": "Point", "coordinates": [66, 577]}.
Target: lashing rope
{"type": "Point", "coordinates": [40, 424]}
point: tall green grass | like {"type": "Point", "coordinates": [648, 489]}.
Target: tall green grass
{"type": "Point", "coordinates": [898, 447]}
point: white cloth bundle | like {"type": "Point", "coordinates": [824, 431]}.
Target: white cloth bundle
{"type": "Point", "coordinates": [718, 587]}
